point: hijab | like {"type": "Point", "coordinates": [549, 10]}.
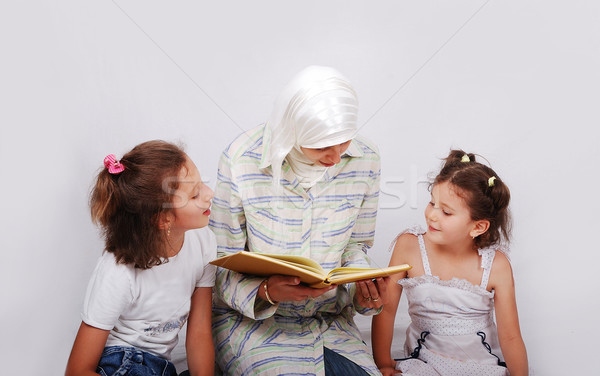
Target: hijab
{"type": "Point", "coordinates": [316, 109]}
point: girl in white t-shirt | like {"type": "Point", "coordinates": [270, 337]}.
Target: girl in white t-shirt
{"type": "Point", "coordinates": [154, 275]}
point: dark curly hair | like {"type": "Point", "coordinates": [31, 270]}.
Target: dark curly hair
{"type": "Point", "coordinates": [129, 205]}
{"type": "Point", "coordinates": [485, 202]}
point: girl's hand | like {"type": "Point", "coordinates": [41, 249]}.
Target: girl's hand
{"type": "Point", "coordinates": [283, 288]}
{"type": "Point", "coordinates": [371, 293]}
{"type": "Point", "coordinates": [199, 344]}
{"type": "Point", "coordinates": [389, 371]}
{"type": "Point", "coordinates": [87, 351]}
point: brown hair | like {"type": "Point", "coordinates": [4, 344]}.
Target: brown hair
{"type": "Point", "coordinates": [128, 205]}
{"type": "Point", "coordinates": [471, 180]}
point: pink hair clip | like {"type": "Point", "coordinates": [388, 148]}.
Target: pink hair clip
{"type": "Point", "coordinates": [114, 167]}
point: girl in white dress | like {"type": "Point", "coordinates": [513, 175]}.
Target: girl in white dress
{"type": "Point", "coordinates": [458, 280]}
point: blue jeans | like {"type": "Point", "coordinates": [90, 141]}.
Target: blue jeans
{"type": "Point", "coordinates": [122, 361]}
{"type": "Point", "coordinates": [337, 365]}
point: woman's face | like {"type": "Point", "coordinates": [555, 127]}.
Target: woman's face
{"type": "Point", "coordinates": [327, 156]}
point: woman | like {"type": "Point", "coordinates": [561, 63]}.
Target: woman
{"type": "Point", "coordinates": [302, 184]}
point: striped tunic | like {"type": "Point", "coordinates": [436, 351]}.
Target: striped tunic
{"type": "Point", "coordinates": [332, 223]}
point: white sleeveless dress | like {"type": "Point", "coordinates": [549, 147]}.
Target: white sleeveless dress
{"type": "Point", "coordinates": [452, 329]}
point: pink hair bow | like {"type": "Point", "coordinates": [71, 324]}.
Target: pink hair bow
{"type": "Point", "coordinates": [114, 167]}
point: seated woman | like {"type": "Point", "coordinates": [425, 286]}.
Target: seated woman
{"type": "Point", "coordinates": [302, 184]}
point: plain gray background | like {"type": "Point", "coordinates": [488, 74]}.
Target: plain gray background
{"type": "Point", "coordinates": [515, 81]}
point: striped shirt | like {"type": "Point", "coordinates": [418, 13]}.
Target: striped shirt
{"type": "Point", "coordinates": [332, 223]}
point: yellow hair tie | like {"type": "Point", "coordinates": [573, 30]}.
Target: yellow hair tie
{"type": "Point", "coordinates": [465, 158]}
{"type": "Point", "coordinates": [491, 181]}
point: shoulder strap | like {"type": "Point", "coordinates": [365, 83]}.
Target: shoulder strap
{"type": "Point", "coordinates": [417, 231]}
{"type": "Point", "coordinates": [487, 259]}
{"type": "Point", "coordinates": [424, 258]}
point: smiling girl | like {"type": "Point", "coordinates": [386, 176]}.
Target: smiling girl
{"type": "Point", "coordinates": [458, 280]}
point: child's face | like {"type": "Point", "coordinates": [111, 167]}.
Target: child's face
{"type": "Point", "coordinates": [191, 202]}
{"type": "Point", "coordinates": [328, 156]}
{"type": "Point", "coordinates": [448, 216]}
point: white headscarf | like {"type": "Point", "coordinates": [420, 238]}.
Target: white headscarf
{"type": "Point", "coordinates": [316, 109]}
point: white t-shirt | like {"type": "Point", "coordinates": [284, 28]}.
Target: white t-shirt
{"type": "Point", "coordinates": [147, 308]}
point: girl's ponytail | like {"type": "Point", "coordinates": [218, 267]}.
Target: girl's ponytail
{"type": "Point", "coordinates": [500, 212]}
{"type": "Point", "coordinates": [104, 199]}
{"type": "Point", "coordinates": [459, 156]}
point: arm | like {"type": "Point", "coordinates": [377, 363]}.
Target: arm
{"type": "Point", "coordinates": [108, 293]}
{"type": "Point", "coordinates": [507, 319]}
{"type": "Point", "coordinates": [361, 240]}
{"type": "Point", "coordinates": [87, 350]}
{"type": "Point", "coordinates": [382, 330]}
{"type": "Point", "coordinates": [228, 223]}
{"type": "Point", "coordinates": [382, 326]}
{"type": "Point", "coordinates": [199, 343]}
{"type": "Point", "coordinates": [288, 288]}
{"type": "Point", "coordinates": [363, 231]}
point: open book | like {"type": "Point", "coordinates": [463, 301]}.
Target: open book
{"type": "Point", "coordinates": [309, 271]}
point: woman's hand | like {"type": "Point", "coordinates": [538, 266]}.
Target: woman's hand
{"type": "Point", "coordinates": [283, 288]}
{"type": "Point", "coordinates": [371, 293]}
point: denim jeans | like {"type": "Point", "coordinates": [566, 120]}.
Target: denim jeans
{"type": "Point", "coordinates": [122, 361]}
{"type": "Point", "coordinates": [337, 365]}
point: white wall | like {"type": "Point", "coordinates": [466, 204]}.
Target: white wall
{"type": "Point", "coordinates": [516, 81]}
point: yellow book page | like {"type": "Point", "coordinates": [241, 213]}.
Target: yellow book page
{"type": "Point", "coordinates": [261, 264]}
{"type": "Point", "coordinates": [299, 261]}
{"type": "Point", "coordinates": [347, 275]}
{"type": "Point", "coordinates": [344, 270]}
